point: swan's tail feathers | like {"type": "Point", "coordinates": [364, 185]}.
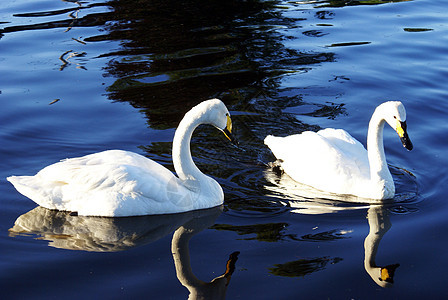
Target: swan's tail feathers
{"type": "Point", "coordinates": [26, 185]}
{"type": "Point", "coordinates": [268, 140]}
{"type": "Point", "coordinates": [276, 144]}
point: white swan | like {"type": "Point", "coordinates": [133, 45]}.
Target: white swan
{"type": "Point", "coordinates": [331, 160]}
{"type": "Point", "coordinates": [120, 183]}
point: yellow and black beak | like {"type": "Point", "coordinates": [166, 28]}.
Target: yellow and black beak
{"type": "Point", "coordinates": [402, 133]}
{"type": "Point", "coordinates": [228, 131]}
{"type": "Point", "coordinates": [387, 273]}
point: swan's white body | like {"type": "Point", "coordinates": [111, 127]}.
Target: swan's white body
{"type": "Point", "coordinates": [121, 183]}
{"type": "Point", "coordinates": [332, 160]}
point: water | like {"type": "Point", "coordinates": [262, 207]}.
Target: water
{"type": "Point", "coordinates": [81, 77]}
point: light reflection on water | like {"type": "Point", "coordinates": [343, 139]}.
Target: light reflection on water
{"type": "Point", "coordinates": [281, 68]}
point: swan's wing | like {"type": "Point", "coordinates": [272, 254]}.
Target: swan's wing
{"type": "Point", "coordinates": [352, 150]}
{"type": "Point", "coordinates": [331, 160]}
{"type": "Point", "coordinates": [108, 183]}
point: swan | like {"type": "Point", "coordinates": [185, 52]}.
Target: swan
{"type": "Point", "coordinates": [118, 183]}
{"type": "Point", "coordinates": [332, 160]}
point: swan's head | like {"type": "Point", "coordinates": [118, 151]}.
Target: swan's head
{"type": "Point", "coordinates": [215, 113]}
{"type": "Point", "coordinates": [395, 115]}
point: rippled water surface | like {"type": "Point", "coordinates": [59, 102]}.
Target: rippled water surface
{"type": "Point", "coordinates": [79, 77]}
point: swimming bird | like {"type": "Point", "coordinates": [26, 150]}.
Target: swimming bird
{"type": "Point", "coordinates": [118, 183]}
{"type": "Point", "coordinates": [332, 160]}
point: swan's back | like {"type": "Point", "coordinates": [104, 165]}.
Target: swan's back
{"type": "Point", "coordinates": [109, 183]}
{"type": "Point", "coordinates": [329, 160]}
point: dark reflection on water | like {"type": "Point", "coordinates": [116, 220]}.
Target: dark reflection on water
{"type": "Point", "coordinates": [302, 267]}
{"type": "Point", "coordinates": [267, 232]}
{"type": "Point", "coordinates": [342, 3]}
{"type": "Point", "coordinates": [174, 56]}
{"type": "Point", "coordinates": [90, 20]}
{"type": "Point", "coordinates": [275, 232]}
{"type": "Point", "coordinates": [378, 217]}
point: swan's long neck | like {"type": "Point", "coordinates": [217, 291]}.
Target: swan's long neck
{"type": "Point", "coordinates": [182, 160]}
{"type": "Point", "coordinates": [375, 149]}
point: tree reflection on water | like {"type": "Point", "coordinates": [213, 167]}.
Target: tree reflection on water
{"type": "Point", "coordinates": [173, 56]}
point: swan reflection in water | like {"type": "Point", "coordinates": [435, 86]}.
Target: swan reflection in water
{"type": "Point", "coordinates": [305, 200]}
{"type": "Point", "coordinates": [379, 223]}
{"type": "Point", "coordinates": [198, 289]}
{"type": "Point", "coordinates": [100, 234]}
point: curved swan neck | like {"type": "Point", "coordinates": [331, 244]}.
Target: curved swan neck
{"type": "Point", "coordinates": [375, 147]}
{"type": "Point", "coordinates": [182, 160]}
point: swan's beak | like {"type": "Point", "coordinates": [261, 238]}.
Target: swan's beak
{"type": "Point", "coordinates": [387, 273]}
{"type": "Point", "coordinates": [228, 131]}
{"type": "Point", "coordinates": [402, 133]}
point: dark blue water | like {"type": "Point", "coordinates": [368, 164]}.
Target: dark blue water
{"type": "Point", "coordinates": [81, 77]}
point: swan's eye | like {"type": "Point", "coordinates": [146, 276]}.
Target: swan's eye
{"type": "Point", "coordinates": [395, 117]}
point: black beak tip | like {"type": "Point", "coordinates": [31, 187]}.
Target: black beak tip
{"type": "Point", "coordinates": [234, 141]}
{"type": "Point", "coordinates": [407, 143]}
{"type": "Point", "coordinates": [231, 137]}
